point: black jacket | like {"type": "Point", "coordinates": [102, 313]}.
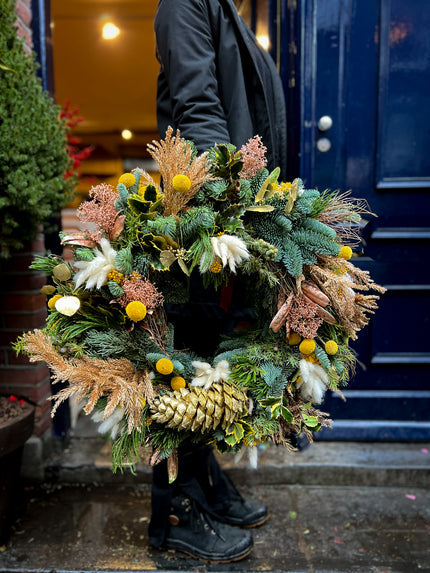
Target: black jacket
{"type": "Point", "coordinates": [213, 85]}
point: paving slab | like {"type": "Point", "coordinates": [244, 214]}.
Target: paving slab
{"type": "Point", "coordinates": [312, 529]}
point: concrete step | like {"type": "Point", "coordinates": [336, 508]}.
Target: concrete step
{"type": "Point", "coordinates": [87, 460]}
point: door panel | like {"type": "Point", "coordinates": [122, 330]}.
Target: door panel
{"type": "Point", "coordinates": [366, 65]}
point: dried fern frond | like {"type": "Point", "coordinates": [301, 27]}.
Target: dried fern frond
{"type": "Point", "coordinates": [91, 378]}
{"type": "Point", "coordinates": [174, 156]}
{"type": "Point", "coordinates": [350, 307]}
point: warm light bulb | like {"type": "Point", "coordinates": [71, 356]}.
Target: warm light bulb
{"type": "Point", "coordinates": [110, 31]}
{"type": "Point", "coordinates": [263, 40]}
{"type": "Point", "coordinates": [126, 134]}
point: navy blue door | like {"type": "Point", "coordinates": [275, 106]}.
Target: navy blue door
{"type": "Point", "coordinates": [357, 75]}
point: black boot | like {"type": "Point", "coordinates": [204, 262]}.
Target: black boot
{"type": "Point", "coordinates": [192, 531]}
{"type": "Point", "coordinates": [225, 502]}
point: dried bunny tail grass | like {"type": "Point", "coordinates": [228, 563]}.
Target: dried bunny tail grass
{"type": "Point", "coordinates": [343, 213]}
{"type": "Point", "coordinates": [350, 307]}
{"type": "Point", "coordinates": [174, 156]}
{"type": "Point", "coordinates": [90, 378]}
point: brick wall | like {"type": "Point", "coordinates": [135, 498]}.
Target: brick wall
{"type": "Point", "coordinates": [23, 308]}
{"type": "Point", "coordinates": [23, 22]}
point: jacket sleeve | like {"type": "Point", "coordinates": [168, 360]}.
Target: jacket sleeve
{"type": "Point", "coordinates": [187, 55]}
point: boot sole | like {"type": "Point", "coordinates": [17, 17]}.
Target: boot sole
{"type": "Point", "coordinates": [208, 560]}
{"type": "Point", "coordinates": [256, 524]}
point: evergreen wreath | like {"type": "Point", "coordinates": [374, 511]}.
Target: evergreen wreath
{"type": "Point", "coordinates": [219, 213]}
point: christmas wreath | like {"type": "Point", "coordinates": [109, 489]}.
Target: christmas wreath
{"type": "Point", "coordinates": [217, 214]}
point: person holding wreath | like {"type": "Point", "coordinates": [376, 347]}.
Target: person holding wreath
{"type": "Point", "coordinates": [215, 85]}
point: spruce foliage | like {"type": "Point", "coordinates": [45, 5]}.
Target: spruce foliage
{"type": "Point", "coordinates": [33, 144]}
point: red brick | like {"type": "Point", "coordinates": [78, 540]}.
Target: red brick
{"type": "Point", "coordinates": [9, 336]}
{"type": "Point", "coordinates": [25, 320]}
{"type": "Point", "coordinates": [36, 394]}
{"type": "Point", "coordinates": [14, 360]}
{"type": "Point", "coordinates": [24, 376]}
{"type": "Point", "coordinates": [23, 32]}
{"type": "Point", "coordinates": [13, 302]}
{"type": "Point", "coordinates": [31, 281]}
{"type": "Point", "coordinates": [42, 424]}
{"type": "Point", "coordinates": [43, 409]}
{"type": "Point", "coordinates": [18, 263]}
{"type": "Point", "coordinates": [23, 12]}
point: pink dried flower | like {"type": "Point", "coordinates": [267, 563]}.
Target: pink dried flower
{"type": "Point", "coordinates": [141, 290]}
{"type": "Point", "coordinates": [303, 318]}
{"type": "Point", "coordinates": [100, 210]}
{"type": "Point", "coordinates": [254, 157]}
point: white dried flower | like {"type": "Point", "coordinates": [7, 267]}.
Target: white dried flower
{"type": "Point", "coordinates": [111, 424]}
{"type": "Point", "coordinates": [68, 305]}
{"type": "Point", "coordinates": [206, 375]}
{"type": "Point", "coordinates": [94, 273]}
{"type": "Point", "coordinates": [314, 381]}
{"type": "Point", "coordinates": [230, 249]}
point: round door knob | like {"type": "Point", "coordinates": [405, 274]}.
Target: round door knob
{"type": "Point", "coordinates": [325, 122]}
{"type": "Point", "coordinates": [323, 144]}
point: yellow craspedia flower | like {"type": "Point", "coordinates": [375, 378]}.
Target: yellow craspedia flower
{"type": "Point", "coordinates": [53, 300]}
{"type": "Point", "coordinates": [115, 276]}
{"type": "Point", "coordinates": [128, 179]}
{"type": "Point", "coordinates": [181, 183]}
{"type": "Point", "coordinates": [135, 310]}
{"type": "Point", "coordinates": [331, 347]}
{"type": "Point", "coordinates": [164, 366]}
{"type": "Point", "coordinates": [177, 382]}
{"type": "Point", "coordinates": [345, 253]}
{"type": "Point", "coordinates": [307, 346]}
{"type": "Point", "coordinates": [148, 421]}
{"type": "Point", "coordinates": [216, 267]}
{"type": "Point", "coordinates": [294, 338]}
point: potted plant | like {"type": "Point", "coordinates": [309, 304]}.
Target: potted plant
{"type": "Point", "coordinates": [16, 426]}
{"type": "Point", "coordinates": [34, 156]}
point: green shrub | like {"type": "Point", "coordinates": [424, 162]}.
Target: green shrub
{"type": "Point", "coordinates": [33, 145]}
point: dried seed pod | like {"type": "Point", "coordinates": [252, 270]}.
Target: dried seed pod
{"type": "Point", "coordinates": [315, 294]}
{"type": "Point", "coordinates": [62, 272]}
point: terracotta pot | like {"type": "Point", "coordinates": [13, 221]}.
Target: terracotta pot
{"type": "Point", "coordinates": [14, 432]}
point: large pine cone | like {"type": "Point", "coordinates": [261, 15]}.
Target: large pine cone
{"type": "Point", "coordinates": [196, 409]}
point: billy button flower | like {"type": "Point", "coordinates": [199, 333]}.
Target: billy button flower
{"type": "Point", "coordinates": [181, 183]}
{"type": "Point", "coordinates": [177, 382]}
{"type": "Point", "coordinates": [164, 366]}
{"type": "Point", "coordinates": [53, 300]}
{"type": "Point", "coordinates": [307, 346]}
{"type": "Point", "coordinates": [345, 253]}
{"type": "Point", "coordinates": [135, 310]}
{"type": "Point", "coordinates": [127, 179]}
{"type": "Point", "coordinates": [331, 347]}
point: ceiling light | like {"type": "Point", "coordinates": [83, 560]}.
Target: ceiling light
{"type": "Point", "coordinates": [126, 134]}
{"type": "Point", "coordinates": [110, 31]}
{"type": "Point", "coordinates": [263, 40]}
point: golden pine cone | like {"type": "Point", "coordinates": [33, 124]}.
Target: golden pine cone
{"type": "Point", "coordinates": [196, 409]}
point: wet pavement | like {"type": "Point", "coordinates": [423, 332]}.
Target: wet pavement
{"type": "Point", "coordinates": [335, 507]}
{"type": "Point", "coordinates": [312, 529]}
